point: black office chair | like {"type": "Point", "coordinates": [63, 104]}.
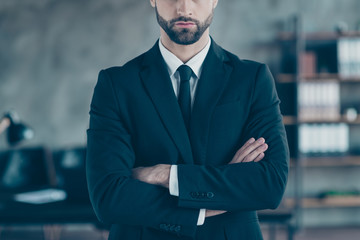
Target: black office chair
{"type": "Point", "coordinates": [70, 174]}
{"type": "Point", "coordinates": [71, 177]}
{"type": "Point", "coordinates": [25, 169]}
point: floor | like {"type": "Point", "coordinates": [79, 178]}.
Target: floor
{"type": "Point", "coordinates": [349, 233]}
{"type": "Point", "coordinates": [88, 232]}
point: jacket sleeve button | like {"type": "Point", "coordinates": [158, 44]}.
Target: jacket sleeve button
{"type": "Point", "coordinates": [210, 195]}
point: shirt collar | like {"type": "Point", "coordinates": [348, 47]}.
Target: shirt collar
{"type": "Point", "coordinates": [195, 63]}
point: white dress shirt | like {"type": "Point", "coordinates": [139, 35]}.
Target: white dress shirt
{"type": "Point", "coordinates": [196, 64]}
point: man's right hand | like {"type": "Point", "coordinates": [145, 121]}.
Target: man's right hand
{"type": "Point", "coordinates": [251, 151]}
{"type": "Point", "coordinates": [211, 213]}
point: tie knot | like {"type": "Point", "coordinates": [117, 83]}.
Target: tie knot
{"type": "Point", "coordinates": [185, 72]}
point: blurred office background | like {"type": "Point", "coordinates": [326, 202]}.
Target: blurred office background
{"type": "Point", "coordinates": [51, 52]}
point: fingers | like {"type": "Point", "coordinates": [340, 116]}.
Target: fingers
{"type": "Point", "coordinates": [247, 144]}
{"type": "Point", "coordinates": [260, 157]}
{"type": "Point", "coordinates": [252, 156]}
{"type": "Point", "coordinates": [242, 149]}
{"type": "Point", "coordinates": [211, 213]}
{"type": "Point", "coordinates": [251, 151]}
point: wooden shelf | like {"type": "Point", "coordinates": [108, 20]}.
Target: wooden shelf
{"type": "Point", "coordinates": [342, 119]}
{"type": "Point", "coordinates": [329, 202]}
{"type": "Point", "coordinates": [289, 120]}
{"type": "Point", "coordinates": [349, 80]}
{"type": "Point", "coordinates": [334, 161]}
{"type": "Point", "coordinates": [291, 78]}
{"type": "Point", "coordinates": [286, 78]}
{"type": "Point", "coordinates": [328, 162]}
{"type": "Point", "coordinates": [318, 36]}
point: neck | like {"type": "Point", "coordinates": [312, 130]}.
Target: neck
{"type": "Point", "coordinates": [184, 52]}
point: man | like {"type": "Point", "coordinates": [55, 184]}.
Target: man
{"type": "Point", "coordinates": [179, 152]}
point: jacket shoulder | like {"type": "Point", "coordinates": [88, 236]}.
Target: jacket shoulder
{"type": "Point", "coordinates": [131, 67]}
{"type": "Point", "coordinates": [247, 64]}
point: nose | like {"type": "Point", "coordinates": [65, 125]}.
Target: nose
{"type": "Point", "coordinates": [184, 8]}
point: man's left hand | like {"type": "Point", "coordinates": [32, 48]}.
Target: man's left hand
{"type": "Point", "coordinates": [156, 175]}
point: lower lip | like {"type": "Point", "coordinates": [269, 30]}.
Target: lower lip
{"type": "Point", "coordinates": [185, 25]}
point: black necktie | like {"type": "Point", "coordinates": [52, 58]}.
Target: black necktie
{"type": "Point", "coordinates": [184, 97]}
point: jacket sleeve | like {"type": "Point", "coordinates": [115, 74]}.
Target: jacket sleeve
{"type": "Point", "coordinates": [244, 186]}
{"type": "Point", "coordinates": [117, 197]}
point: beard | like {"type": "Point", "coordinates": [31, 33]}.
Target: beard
{"type": "Point", "coordinates": [184, 36]}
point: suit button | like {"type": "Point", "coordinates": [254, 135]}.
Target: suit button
{"type": "Point", "coordinates": [210, 195]}
{"type": "Point", "coordinates": [177, 229]}
{"type": "Point", "coordinates": [193, 194]}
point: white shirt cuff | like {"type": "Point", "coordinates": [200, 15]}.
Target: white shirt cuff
{"type": "Point", "coordinates": [174, 191]}
{"type": "Point", "coordinates": [201, 218]}
{"type": "Point", "coordinates": [173, 181]}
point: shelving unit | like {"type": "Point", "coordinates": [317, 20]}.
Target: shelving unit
{"type": "Point", "coordinates": [316, 58]}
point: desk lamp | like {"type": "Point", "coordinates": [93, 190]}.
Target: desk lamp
{"type": "Point", "coordinates": [16, 130]}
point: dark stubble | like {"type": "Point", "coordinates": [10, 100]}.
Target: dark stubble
{"type": "Point", "coordinates": [184, 36]}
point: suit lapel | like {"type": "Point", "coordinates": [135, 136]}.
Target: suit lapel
{"type": "Point", "coordinates": [214, 77]}
{"type": "Point", "coordinates": [156, 80]}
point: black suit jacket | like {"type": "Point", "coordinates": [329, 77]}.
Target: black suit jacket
{"type": "Point", "coordinates": [135, 121]}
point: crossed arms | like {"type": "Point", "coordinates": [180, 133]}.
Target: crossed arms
{"type": "Point", "coordinates": [252, 151]}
